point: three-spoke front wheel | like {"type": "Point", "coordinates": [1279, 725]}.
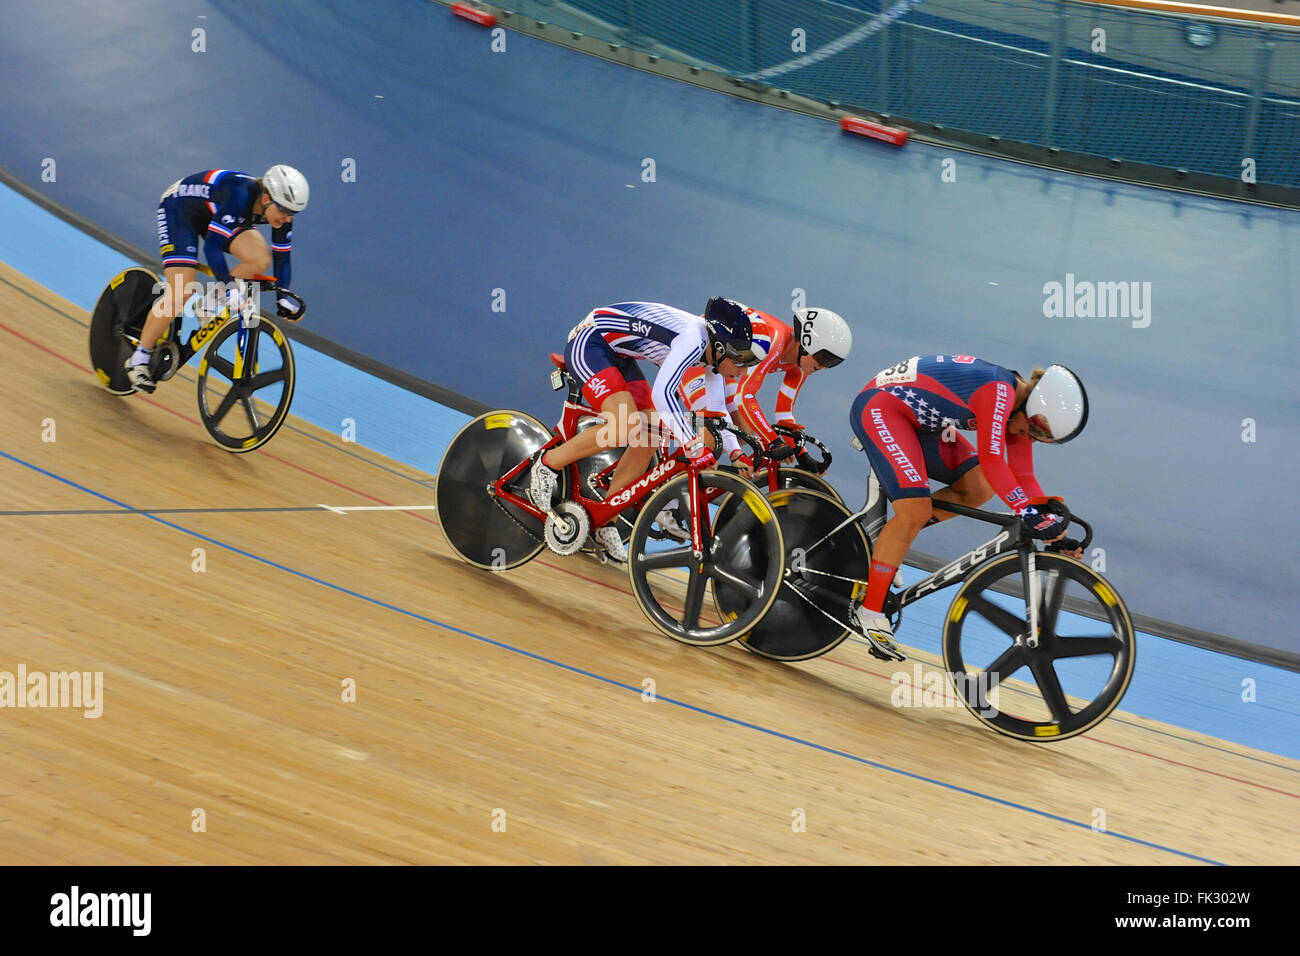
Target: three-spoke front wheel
{"type": "Point", "coordinates": [1072, 679]}
{"type": "Point", "coordinates": [743, 552]}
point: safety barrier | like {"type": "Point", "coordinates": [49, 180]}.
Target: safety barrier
{"type": "Point", "coordinates": [1161, 92]}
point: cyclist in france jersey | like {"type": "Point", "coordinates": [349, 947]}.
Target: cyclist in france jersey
{"type": "Point", "coordinates": [220, 205]}
{"type": "Point", "coordinates": [906, 418]}
{"type": "Point", "coordinates": [819, 339]}
{"type": "Point", "coordinates": [602, 353]}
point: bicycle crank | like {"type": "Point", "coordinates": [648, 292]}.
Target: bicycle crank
{"type": "Point", "coordinates": [166, 361]}
{"type": "Point", "coordinates": [566, 528]}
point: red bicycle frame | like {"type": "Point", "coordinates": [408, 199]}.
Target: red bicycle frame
{"type": "Point", "coordinates": [602, 512]}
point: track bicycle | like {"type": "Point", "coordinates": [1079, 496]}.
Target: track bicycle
{"type": "Point", "coordinates": [489, 520]}
{"type": "Point", "coordinates": [1020, 614]}
{"type": "Point", "coordinates": [237, 369]}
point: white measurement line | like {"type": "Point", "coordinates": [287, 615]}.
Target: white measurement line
{"type": "Point", "coordinates": [344, 509]}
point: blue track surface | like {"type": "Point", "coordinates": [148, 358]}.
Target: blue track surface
{"type": "Point", "coordinates": [479, 171]}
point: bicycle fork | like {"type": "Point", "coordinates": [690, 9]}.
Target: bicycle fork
{"type": "Point", "coordinates": [244, 355]}
{"type": "Point", "coordinates": [1033, 596]}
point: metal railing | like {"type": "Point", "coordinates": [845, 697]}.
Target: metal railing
{"type": "Point", "coordinates": [1134, 84]}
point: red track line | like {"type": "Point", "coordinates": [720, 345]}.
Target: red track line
{"type": "Point", "coordinates": [1109, 743]}
{"type": "Point", "coordinates": [194, 421]}
{"type": "Point", "coordinates": [1213, 773]}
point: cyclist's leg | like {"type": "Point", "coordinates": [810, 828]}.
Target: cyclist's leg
{"type": "Point", "coordinates": [621, 423]}
{"type": "Point", "coordinates": [954, 461]}
{"type": "Point", "coordinates": [885, 427]}
{"type": "Point", "coordinates": [641, 438]}
{"type": "Point", "coordinates": [615, 386]}
{"type": "Point", "coordinates": [177, 281]}
{"type": "Point", "coordinates": [179, 247]}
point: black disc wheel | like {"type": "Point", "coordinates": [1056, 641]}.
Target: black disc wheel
{"type": "Point", "coordinates": [485, 530]}
{"type": "Point", "coordinates": [245, 385]}
{"type": "Point", "coordinates": [1074, 677]}
{"type": "Point", "coordinates": [116, 322]}
{"type": "Point", "coordinates": [744, 553]}
{"type": "Point", "coordinates": [826, 558]}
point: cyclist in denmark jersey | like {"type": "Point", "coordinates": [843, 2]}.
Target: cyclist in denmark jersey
{"type": "Point", "coordinates": [818, 339]}
{"type": "Point", "coordinates": [220, 205]}
{"type": "Point", "coordinates": [907, 419]}
{"type": "Point", "coordinates": [602, 353]}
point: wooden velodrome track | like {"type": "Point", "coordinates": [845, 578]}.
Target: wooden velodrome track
{"type": "Point", "coordinates": [516, 694]}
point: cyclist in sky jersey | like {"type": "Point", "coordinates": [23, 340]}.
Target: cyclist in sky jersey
{"type": "Point", "coordinates": [601, 354]}
{"type": "Point", "coordinates": [907, 419]}
{"type": "Point", "coordinates": [221, 206]}
{"type": "Point", "coordinates": [819, 339]}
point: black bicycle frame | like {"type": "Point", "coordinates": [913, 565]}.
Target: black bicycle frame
{"type": "Point", "coordinates": [1011, 538]}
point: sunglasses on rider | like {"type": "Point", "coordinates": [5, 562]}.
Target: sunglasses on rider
{"type": "Point", "coordinates": [745, 356]}
{"type": "Point", "coordinates": [1039, 430]}
{"type": "Point", "coordinates": [824, 357]}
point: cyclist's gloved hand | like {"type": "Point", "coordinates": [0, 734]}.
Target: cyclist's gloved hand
{"type": "Point", "coordinates": [808, 463]}
{"type": "Point", "coordinates": [1042, 524]}
{"type": "Point", "coordinates": [1065, 544]}
{"type": "Point", "coordinates": [742, 460]}
{"type": "Point", "coordinates": [779, 450]}
{"type": "Point", "coordinates": [235, 298]}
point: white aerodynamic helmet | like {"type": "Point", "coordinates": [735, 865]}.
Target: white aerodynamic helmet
{"type": "Point", "coordinates": [1057, 407]}
{"type": "Point", "coordinates": [287, 188]}
{"type": "Point", "coordinates": [824, 335]}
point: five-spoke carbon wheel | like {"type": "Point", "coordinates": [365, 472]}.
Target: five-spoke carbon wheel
{"type": "Point", "coordinates": [245, 386]}
{"type": "Point", "coordinates": [1080, 668]}
{"type": "Point", "coordinates": [742, 551]}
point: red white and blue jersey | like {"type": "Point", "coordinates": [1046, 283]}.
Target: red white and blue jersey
{"type": "Point", "coordinates": [968, 393]}
{"type": "Point", "coordinates": [218, 204]}
{"type": "Point", "coordinates": [674, 340]}
{"type": "Point", "coordinates": [772, 336]}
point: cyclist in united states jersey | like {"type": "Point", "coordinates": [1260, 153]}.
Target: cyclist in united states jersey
{"type": "Point", "coordinates": [907, 419]}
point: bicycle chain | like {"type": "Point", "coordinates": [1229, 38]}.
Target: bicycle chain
{"type": "Point", "coordinates": [527, 530]}
{"type": "Point", "coordinates": [857, 636]}
{"type": "Point", "coordinates": [589, 548]}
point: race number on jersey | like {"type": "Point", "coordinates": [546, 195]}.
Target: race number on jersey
{"type": "Point", "coordinates": [898, 374]}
